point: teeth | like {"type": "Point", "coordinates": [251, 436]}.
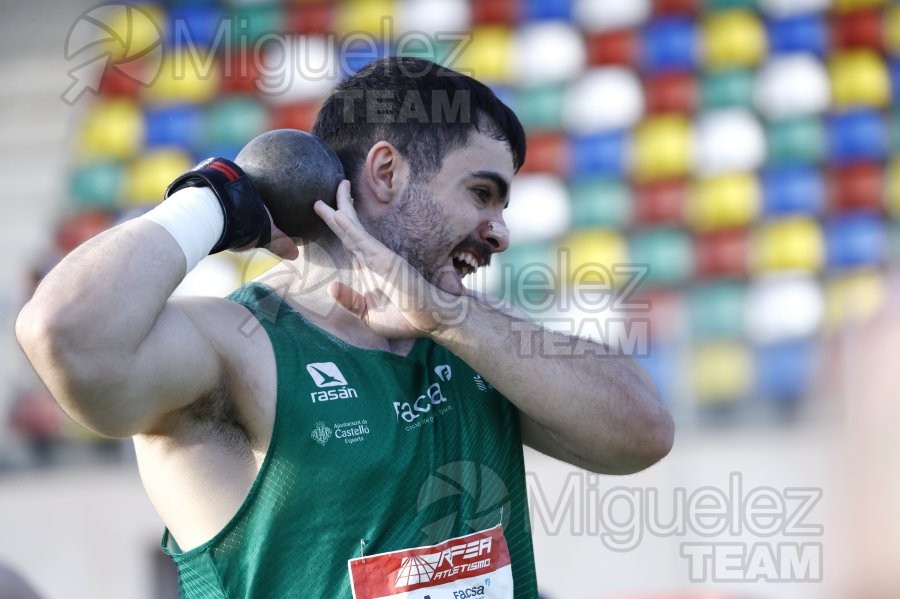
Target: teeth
{"type": "Point", "coordinates": [468, 260]}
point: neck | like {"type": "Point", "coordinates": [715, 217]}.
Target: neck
{"type": "Point", "coordinates": [303, 284]}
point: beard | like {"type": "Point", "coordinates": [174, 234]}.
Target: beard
{"type": "Point", "coordinates": [417, 230]}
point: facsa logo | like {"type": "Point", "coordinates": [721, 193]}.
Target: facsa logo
{"type": "Point", "coordinates": [443, 372]}
{"type": "Point", "coordinates": [410, 411]}
{"type": "Point", "coordinates": [325, 375]}
{"type": "Point", "coordinates": [433, 396]}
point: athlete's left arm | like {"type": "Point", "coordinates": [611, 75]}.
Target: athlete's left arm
{"type": "Point", "coordinates": [594, 408]}
{"type": "Point", "coordinates": [599, 412]}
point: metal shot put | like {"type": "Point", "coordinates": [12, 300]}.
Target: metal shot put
{"type": "Point", "coordinates": [292, 169]}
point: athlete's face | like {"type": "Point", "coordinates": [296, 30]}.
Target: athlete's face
{"type": "Point", "coordinates": [450, 226]}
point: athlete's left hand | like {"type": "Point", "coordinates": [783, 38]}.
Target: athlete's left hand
{"type": "Point", "coordinates": [396, 302]}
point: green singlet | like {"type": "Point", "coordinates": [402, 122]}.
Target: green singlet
{"type": "Point", "coordinates": [371, 452]}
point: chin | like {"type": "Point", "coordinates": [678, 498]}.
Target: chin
{"type": "Point", "coordinates": [451, 283]}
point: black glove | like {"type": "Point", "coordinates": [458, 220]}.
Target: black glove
{"type": "Point", "coordinates": [246, 220]}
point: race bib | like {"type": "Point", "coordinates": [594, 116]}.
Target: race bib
{"type": "Point", "coordinates": [475, 565]}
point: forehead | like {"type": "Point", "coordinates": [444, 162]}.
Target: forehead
{"type": "Point", "coordinates": [480, 153]}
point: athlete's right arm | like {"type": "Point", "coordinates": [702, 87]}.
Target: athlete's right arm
{"type": "Point", "coordinates": [106, 341]}
{"type": "Point", "coordinates": [104, 336]}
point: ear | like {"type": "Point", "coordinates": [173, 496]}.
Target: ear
{"type": "Point", "coordinates": [385, 172]}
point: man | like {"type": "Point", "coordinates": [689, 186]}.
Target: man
{"type": "Point", "coordinates": [378, 407]}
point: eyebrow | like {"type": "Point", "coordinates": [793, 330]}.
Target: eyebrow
{"type": "Point", "coordinates": [501, 183]}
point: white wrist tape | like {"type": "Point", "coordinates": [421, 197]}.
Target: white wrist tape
{"type": "Point", "coordinates": [194, 217]}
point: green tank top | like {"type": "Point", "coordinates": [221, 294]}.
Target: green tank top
{"type": "Point", "coordinates": [371, 452]}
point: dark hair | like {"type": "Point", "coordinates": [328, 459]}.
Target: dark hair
{"type": "Point", "coordinates": [421, 108]}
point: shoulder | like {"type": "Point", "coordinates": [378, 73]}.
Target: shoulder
{"type": "Point", "coordinates": [228, 323]}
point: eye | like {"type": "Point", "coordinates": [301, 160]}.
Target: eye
{"type": "Point", "coordinates": [482, 193]}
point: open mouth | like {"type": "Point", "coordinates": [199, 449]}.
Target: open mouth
{"type": "Point", "coordinates": [465, 263]}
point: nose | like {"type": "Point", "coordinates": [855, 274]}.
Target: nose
{"type": "Point", "coordinates": [496, 234]}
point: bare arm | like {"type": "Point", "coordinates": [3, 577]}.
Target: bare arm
{"type": "Point", "coordinates": [593, 407]}
{"type": "Point", "coordinates": [103, 337]}
{"type": "Point", "coordinates": [593, 410]}
{"type": "Point", "coordinates": [100, 329]}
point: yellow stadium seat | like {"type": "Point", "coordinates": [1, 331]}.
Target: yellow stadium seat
{"type": "Point", "coordinates": [189, 76]}
{"type": "Point", "coordinates": [489, 55]}
{"type": "Point", "coordinates": [722, 372]}
{"type": "Point", "coordinates": [141, 27]}
{"type": "Point", "coordinates": [733, 39]}
{"type": "Point", "coordinates": [893, 187]}
{"type": "Point", "coordinates": [892, 28]}
{"type": "Point", "coordinates": [723, 202]}
{"type": "Point", "coordinates": [859, 78]}
{"type": "Point", "coordinates": [788, 244]}
{"type": "Point", "coordinates": [851, 5]}
{"type": "Point", "coordinates": [662, 148]}
{"type": "Point", "coordinates": [366, 16]}
{"type": "Point", "coordinates": [111, 129]}
{"type": "Point", "coordinates": [147, 177]}
{"type": "Point", "coordinates": [853, 298]}
{"type": "Point", "coordinates": [592, 255]}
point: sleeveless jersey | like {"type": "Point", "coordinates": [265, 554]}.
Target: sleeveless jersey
{"type": "Point", "coordinates": [371, 452]}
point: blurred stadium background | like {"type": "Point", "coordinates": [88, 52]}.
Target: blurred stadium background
{"type": "Point", "coordinates": [746, 151]}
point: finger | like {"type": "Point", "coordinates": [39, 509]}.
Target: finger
{"type": "Point", "coordinates": [348, 299]}
{"type": "Point", "coordinates": [344, 223]}
{"type": "Point", "coordinates": [349, 231]}
{"type": "Point", "coordinates": [345, 200]}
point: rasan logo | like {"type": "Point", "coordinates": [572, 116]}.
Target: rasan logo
{"type": "Point", "coordinates": [330, 380]}
{"type": "Point", "coordinates": [433, 396]}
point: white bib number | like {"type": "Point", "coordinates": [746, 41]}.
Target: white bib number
{"type": "Point", "coordinates": [474, 566]}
